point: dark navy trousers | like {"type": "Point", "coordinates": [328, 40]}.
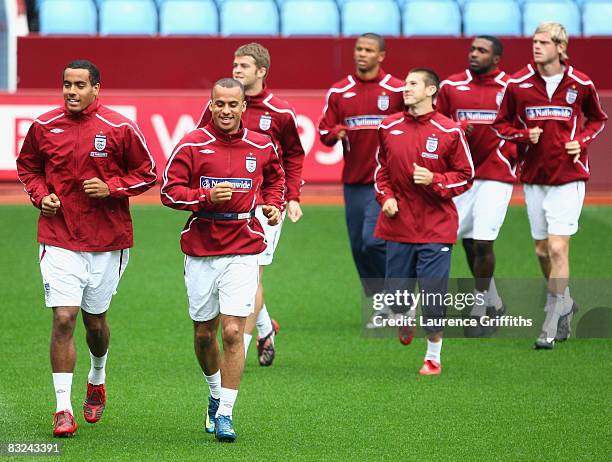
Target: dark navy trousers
{"type": "Point", "coordinates": [362, 212]}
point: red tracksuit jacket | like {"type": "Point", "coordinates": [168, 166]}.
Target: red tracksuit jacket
{"type": "Point", "coordinates": [271, 116]}
{"type": "Point", "coordinates": [427, 214]}
{"type": "Point", "coordinates": [573, 113]}
{"type": "Point", "coordinates": [207, 156]}
{"type": "Point", "coordinates": [60, 151]}
{"type": "Point", "coordinates": [359, 107]}
{"type": "Point", "coordinates": [474, 99]}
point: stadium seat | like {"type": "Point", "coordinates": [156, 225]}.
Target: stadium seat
{"type": "Point", "coordinates": [309, 17]}
{"type": "Point", "coordinates": [188, 17]}
{"type": "Point", "coordinates": [431, 17]}
{"type": "Point", "coordinates": [68, 17]}
{"type": "Point", "coordinates": [597, 17]}
{"type": "Point", "coordinates": [492, 17]}
{"type": "Point", "coordinates": [564, 11]}
{"type": "Point", "coordinates": [379, 16]}
{"type": "Point", "coordinates": [128, 17]}
{"type": "Point", "coordinates": [249, 17]}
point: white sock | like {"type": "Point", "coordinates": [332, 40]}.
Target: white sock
{"type": "Point", "coordinates": [264, 322]}
{"type": "Point", "coordinates": [214, 384]}
{"type": "Point", "coordinates": [480, 307]}
{"type": "Point", "coordinates": [62, 381]}
{"type": "Point", "coordinates": [433, 351]}
{"type": "Point", "coordinates": [97, 371]}
{"type": "Point", "coordinates": [568, 300]}
{"type": "Point", "coordinates": [247, 342]}
{"type": "Point", "coordinates": [493, 298]}
{"type": "Point", "coordinates": [228, 398]}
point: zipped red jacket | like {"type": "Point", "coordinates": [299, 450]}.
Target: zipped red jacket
{"type": "Point", "coordinates": [359, 106]}
{"type": "Point", "coordinates": [474, 99]}
{"type": "Point", "coordinates": [573, 113]}
{"type": "Point", "coordinates": [426, 214]}
{"type": "Point", "coordinates": [271, 116]}
{"type": "Point", "coordinates": [60, 151]}
{"type": "Point", "coordinates": [206, 157]}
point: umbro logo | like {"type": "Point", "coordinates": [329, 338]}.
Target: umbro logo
{"type": "Point", "coordinates": [396, 132]}
{"type": "Point", "coordinates": [526, 85]}
{"type": "Point", "coordinates": [207, 151]}
{"type": "Point", "coordinates": [463, 88]}
{"type": "Point", "coordinates": [349, 94]}
{"type": "Point", "coordinates": [56, 130]}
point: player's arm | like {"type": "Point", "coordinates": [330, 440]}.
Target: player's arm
{"type": "Point", "coordinates": [330, 127]}
{"type": "Point", "coordinates": [141, 172]}
{"type": "Point", "coordinates": [504, 125]}
{"type": "Point", "coordinates": [594, 115]}
{"type": "Point", "coordinates": [176, 191]}
{"type": "Point", "coordinates": [382, 184]}
{"type": "Point", "coordinates": [273, 188]}
{"type": "Point", "coordinates": [31, 169]}
{"type": "Point", "coordinates": [458, 178]}
{"type": "Point", "coordinates": [293, 161]}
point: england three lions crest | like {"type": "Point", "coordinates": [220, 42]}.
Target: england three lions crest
{"type": "Point", "coordinates": [265, 122]}
{"type": "Point", "coordinates": [571, 96]}
{"type": "Point", "coordinates": [383, 102]}
{"type": "Point", "coordinates": [431, 144]}
{"type": "Point", "coordinates": [251, 164]}
{"type": "Point", "coordinates": [100, 142]}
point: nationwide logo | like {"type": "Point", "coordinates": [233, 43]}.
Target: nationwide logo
{"type": "Point", "coordinates": [476, 116]}
{"type": "Point", "coordinates": [548, 113]}
{"type": "Point", "coordinates": [98, 154]}
{"type": "Point", "coordinates": [238, 184]}
{"type": "Point", "coordinates": [365, 121]}
{"type": "Point", "coordinates": [428, 155]}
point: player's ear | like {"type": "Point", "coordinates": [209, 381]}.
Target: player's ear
{"type": "Point", "coordinates": [244, 104]}
{"type": "Point", "coordinates": [431, 90]}
{"type": "Point", "coordinates": [96, 89]}
{"type": "Point", "coordinates": [381, 56]}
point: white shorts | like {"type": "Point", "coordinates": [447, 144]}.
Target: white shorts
{"type": "Point", "coordinates": [85, 279]}
{"type": "Point", "coordinates": [225, 285]}
{"type": "Point", "coordinates": [272, 236]}
{"type": "Point", "coordinates": [554, 210]}
{"type": "Point", "coordinates": [482, 209]}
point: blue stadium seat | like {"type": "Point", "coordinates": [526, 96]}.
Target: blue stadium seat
{"type": "Point", "coordinates": [67, 17]}
{"type": "Point", "coordinates": [128, 17]}
{"type": "Point", "coordinates": [431, 17]}
{"type": "Point", "coordinates": [597, 17]}
{"type": "Point", "coordinates": [309, 17]}
{"type": "Point", "coordinates": [378, 16]}
{"type": "Point", "coordinates": [249, 17]}
{"type": "Point", "coordinates": [492, 17]}
{"type": "Point", "coordinates": [188, 17]}
{"type": "Point", "coordinates": [564, 11]}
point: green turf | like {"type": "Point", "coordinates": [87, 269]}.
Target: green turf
{"type": "Point", "coordinates": [331, 394]}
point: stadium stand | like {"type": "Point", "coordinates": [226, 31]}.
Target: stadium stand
{"type": "Point", "coordinates": [68, 17]}
{"type": "Point", "coordinates": [431, 17]}
{"type": "Point", "coordinates": [597, 17]}
{"type": "Point", "coordinates": [493, 17]}
{"type": "Point", "coordinates": [128, 17]}
{"type": "Point", "coordinates": [188, 17]}
{"type": "Point", "coordinates": [249, 17]}
{"type": "Point", "coordinates": [309, 17]}
{"type": "Point", "coordinates": [379, 16]}
{"type": "Point", "coordinates": [564, 11]}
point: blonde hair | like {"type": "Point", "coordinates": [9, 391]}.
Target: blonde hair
{"type": "Point", "coordinates": [259, 53]}
{"type": "Point", "coordinates": [558, 34]}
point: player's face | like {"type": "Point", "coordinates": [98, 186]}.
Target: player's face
{"type": "Point", "coordinates": [78, 90]}
{"type": "Point", "coordinates": [246, 72]}
{"type": "Point", "coordinates": [482, 58]}
{"type": "Point", "coordinates": [227, 106]}
{"type": "Point", "coordinates": [416, 90]}
{"type": "Point", "coordinates": [367, 54]}
{"type": "Point", "coordinates": [546, 51]}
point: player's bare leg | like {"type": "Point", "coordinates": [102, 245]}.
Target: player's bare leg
{"type": "Point", "coordinates": [206, 349]}
{"type": "Point", "coordinates": [541, 250]}
{"type": "Point", "coordinates": [265, 343]}
{"type": "Point", "coordinates": [98, 333]}
{"type": "Point", "coordinates": [98, 336]}
{"type": "Point", "coordinates": [63, 359]}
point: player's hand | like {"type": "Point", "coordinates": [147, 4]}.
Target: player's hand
{"type": "Point", "coordinates": [389, 208]}
{"type": "Point", "coordinates": [96, 188]}
{"type": "Point", "coordinates": [294, 211]}
{"type": "Point", "coordinates": [49, 205]}
{"type": "Point", "coordinates": [534, 135]}
{"type": "Point", "coordinates": [222, 192]}
{"type": "Point", "coordinates": [421, 175]}
{"type": "Point", "coordinates": [468, 129]}
{"type": "Point", "coordinates": [272, 214]}
{"type": "Point", "coordinates": [341, 134]}
{"type": "Point", "coordinates": [573, 149]}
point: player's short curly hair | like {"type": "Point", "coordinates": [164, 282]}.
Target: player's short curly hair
{"type": "Point", "coordinates": [258, 52]}
{"type": "Point", "coordinates": [558, 34]}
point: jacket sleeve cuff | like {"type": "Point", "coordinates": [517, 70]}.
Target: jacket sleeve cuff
{"type": "Point", "coordinates": [438, 180]}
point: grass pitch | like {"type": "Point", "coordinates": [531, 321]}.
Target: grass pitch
{"type": "Point", "coordinates": [331, 394]}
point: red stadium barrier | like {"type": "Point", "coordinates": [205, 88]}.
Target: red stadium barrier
{"type": "Point", "coordinates": [165, 117]}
